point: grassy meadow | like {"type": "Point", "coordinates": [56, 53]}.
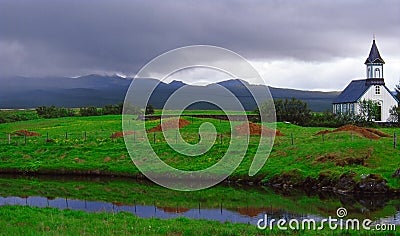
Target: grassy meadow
{"type": "Point", "coordinates": [82, 145]}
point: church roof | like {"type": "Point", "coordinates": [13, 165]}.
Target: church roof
{"type": "Point", "coordinates": [352, 92]}
{"type": "Point", "coordinates": [356, 89]}
{"type": "Point", "coordinates": [374, 56]}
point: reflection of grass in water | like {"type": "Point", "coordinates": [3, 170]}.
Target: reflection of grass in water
{"type": "Point", "coordinates": [22, 220]}
{"type": "Point", "coordinates": [129, 192]}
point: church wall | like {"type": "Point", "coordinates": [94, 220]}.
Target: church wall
{"type": "Point", "coordinates": [385, 98]}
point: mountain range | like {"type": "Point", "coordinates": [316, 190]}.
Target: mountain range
{"type": "Point", "coordinates": [100, 90]}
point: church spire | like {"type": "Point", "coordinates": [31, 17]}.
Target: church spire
{"type": "Point", "coordinates": [374, 55]}
{"type": "Point", "coordinates": [374, 64]}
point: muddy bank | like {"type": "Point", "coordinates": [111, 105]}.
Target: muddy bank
{"type": "Point", "coordinates": [345, 183]}
{"type": "Point", "coordinates": [286, 182]}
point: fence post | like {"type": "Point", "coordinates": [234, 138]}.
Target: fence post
{"type": "Point", "coordinates": [85, 135]}
{"type": "Point", "coordinates": [220, 137]}
{"type": "Point", "coordinates": [394, 140]}
{"type": "Point", "coordinates": [9, 138]}
{"type": "Point", "coordinates": [323, 138]}
{"type": "Point", "coordinates": [154, 137]}
{"type": "Point", "coordinates": [47, 137]}
{"type": "Point", "coordinates": [291, 137]}
{"type": "Point", "coordinates": [66, 135]}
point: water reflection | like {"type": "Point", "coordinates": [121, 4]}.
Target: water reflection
{"type": "Point", "coordinates": [221, 214]}
{"type": "Point", "coordinates": [241, 215]}
{"type": "Point", "coordinates": [237, 204]}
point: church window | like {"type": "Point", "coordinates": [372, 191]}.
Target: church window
{"type": "Point", "coordinates": [377, 73]}
{"type": "Point", "coordinates": [377, 90]}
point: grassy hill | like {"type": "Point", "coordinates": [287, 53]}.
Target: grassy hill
{"type": "Point", "coordinates": [315, 157]}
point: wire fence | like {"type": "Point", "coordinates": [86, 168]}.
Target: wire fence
{"type": "Point", "coordinates": [178, 137]}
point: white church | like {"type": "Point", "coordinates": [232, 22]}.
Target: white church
{"type": "Point", "coordinates": [372, 88]}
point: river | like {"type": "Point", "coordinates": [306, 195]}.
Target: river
{"type": "Point", "coordinates": [232, 203]}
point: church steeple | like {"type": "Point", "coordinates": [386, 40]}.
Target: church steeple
{"type": "Point", "coordinates": [374, 63]}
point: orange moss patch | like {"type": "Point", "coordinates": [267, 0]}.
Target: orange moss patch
{"type": "Point", "coordinates": [364, 132]}
{"type": "Point", "coordinates": [24, 132]}
{"type": "Point", "coordinates": [255, 129]}
{"type": "Point", "coordinates": [121, 134]}
{"type": "Point", "coordinates": [169, 124]}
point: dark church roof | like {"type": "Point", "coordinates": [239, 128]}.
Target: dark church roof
{"type": "Point", "coordinates": [356, 89]}
{"type": "Point", "coordinates": [352, 92]}
{"type": "Point", "coordinates": [374, 56]}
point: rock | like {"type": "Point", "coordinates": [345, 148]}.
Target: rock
{"type": "Point", "coordinates": [396, 174]}
{"type": "Point", "coordinates": [373, 183]}
{"type": "Point", "coordinates": [346, 182]}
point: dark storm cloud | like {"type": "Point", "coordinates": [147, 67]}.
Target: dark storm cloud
{"type": "Point", "coordinates": [76, 37]}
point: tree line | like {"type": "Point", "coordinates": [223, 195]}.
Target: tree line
{"type": "Point", "coordinates": [56, 112]}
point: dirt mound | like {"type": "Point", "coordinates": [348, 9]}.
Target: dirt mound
{"type": "Point", "coordinates": [169, 124]}
{"type": "Point", "coordinates": [323, 132]}
{"type": "Point", "coordinates": [379, 133]}
{"type": "Point", "coordinates": [24, 132]}
{"type": "Point", "coordinates": [364, 132]}
{"type": "Point", "coordinates": [255, 129]}
{"type": "Point", "coordinates": [121, 134]}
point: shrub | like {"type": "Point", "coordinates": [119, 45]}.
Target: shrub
{"type": "Point", "coordinates": [89, 111]}
{"type": "Point", "coordinates": [54, 112]}
{"type": "Point", "coordinates": [112, 109]}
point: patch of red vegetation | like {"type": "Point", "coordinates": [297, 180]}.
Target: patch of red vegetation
{"type": "Point", "coordinates": [256, 129]}
{"type": "Point", "coordinates": [121, 134]}
{"type": "Point", "coordinates": [24, 132]}
{"type": "Point", "coordinates": [364, 132]}
{"type": "Point", "coordinates": [169, 124]}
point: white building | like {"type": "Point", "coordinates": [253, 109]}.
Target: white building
{"type": "Point", "coordinates": [372, 88]}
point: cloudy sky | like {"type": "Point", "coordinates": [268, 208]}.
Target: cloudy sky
{"type": "Point", "coordinates": [317, 45]}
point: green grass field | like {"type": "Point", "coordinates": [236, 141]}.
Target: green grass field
{"type": "Point", "coordinates": [69, 152]}
{"type": "Point", "coordinates": [21, 220]}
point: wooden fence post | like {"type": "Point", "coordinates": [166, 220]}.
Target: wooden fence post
{"type": "Point", "coordinates": [394, 140]}
{"type": "Point", "coordinates": [291, 137]}
{"type": "Point", "coordinates": [85, 135]}
{"type": "Point", "coordinates": [66, 135]}
{"type": "Point", "coordinates": [9, 138]}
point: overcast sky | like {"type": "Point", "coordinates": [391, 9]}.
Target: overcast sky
{"type": "Point", "coordinates": [318, 45]}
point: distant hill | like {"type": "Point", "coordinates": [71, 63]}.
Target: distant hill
{"type": "Point", "coordinates": [98, 90]}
